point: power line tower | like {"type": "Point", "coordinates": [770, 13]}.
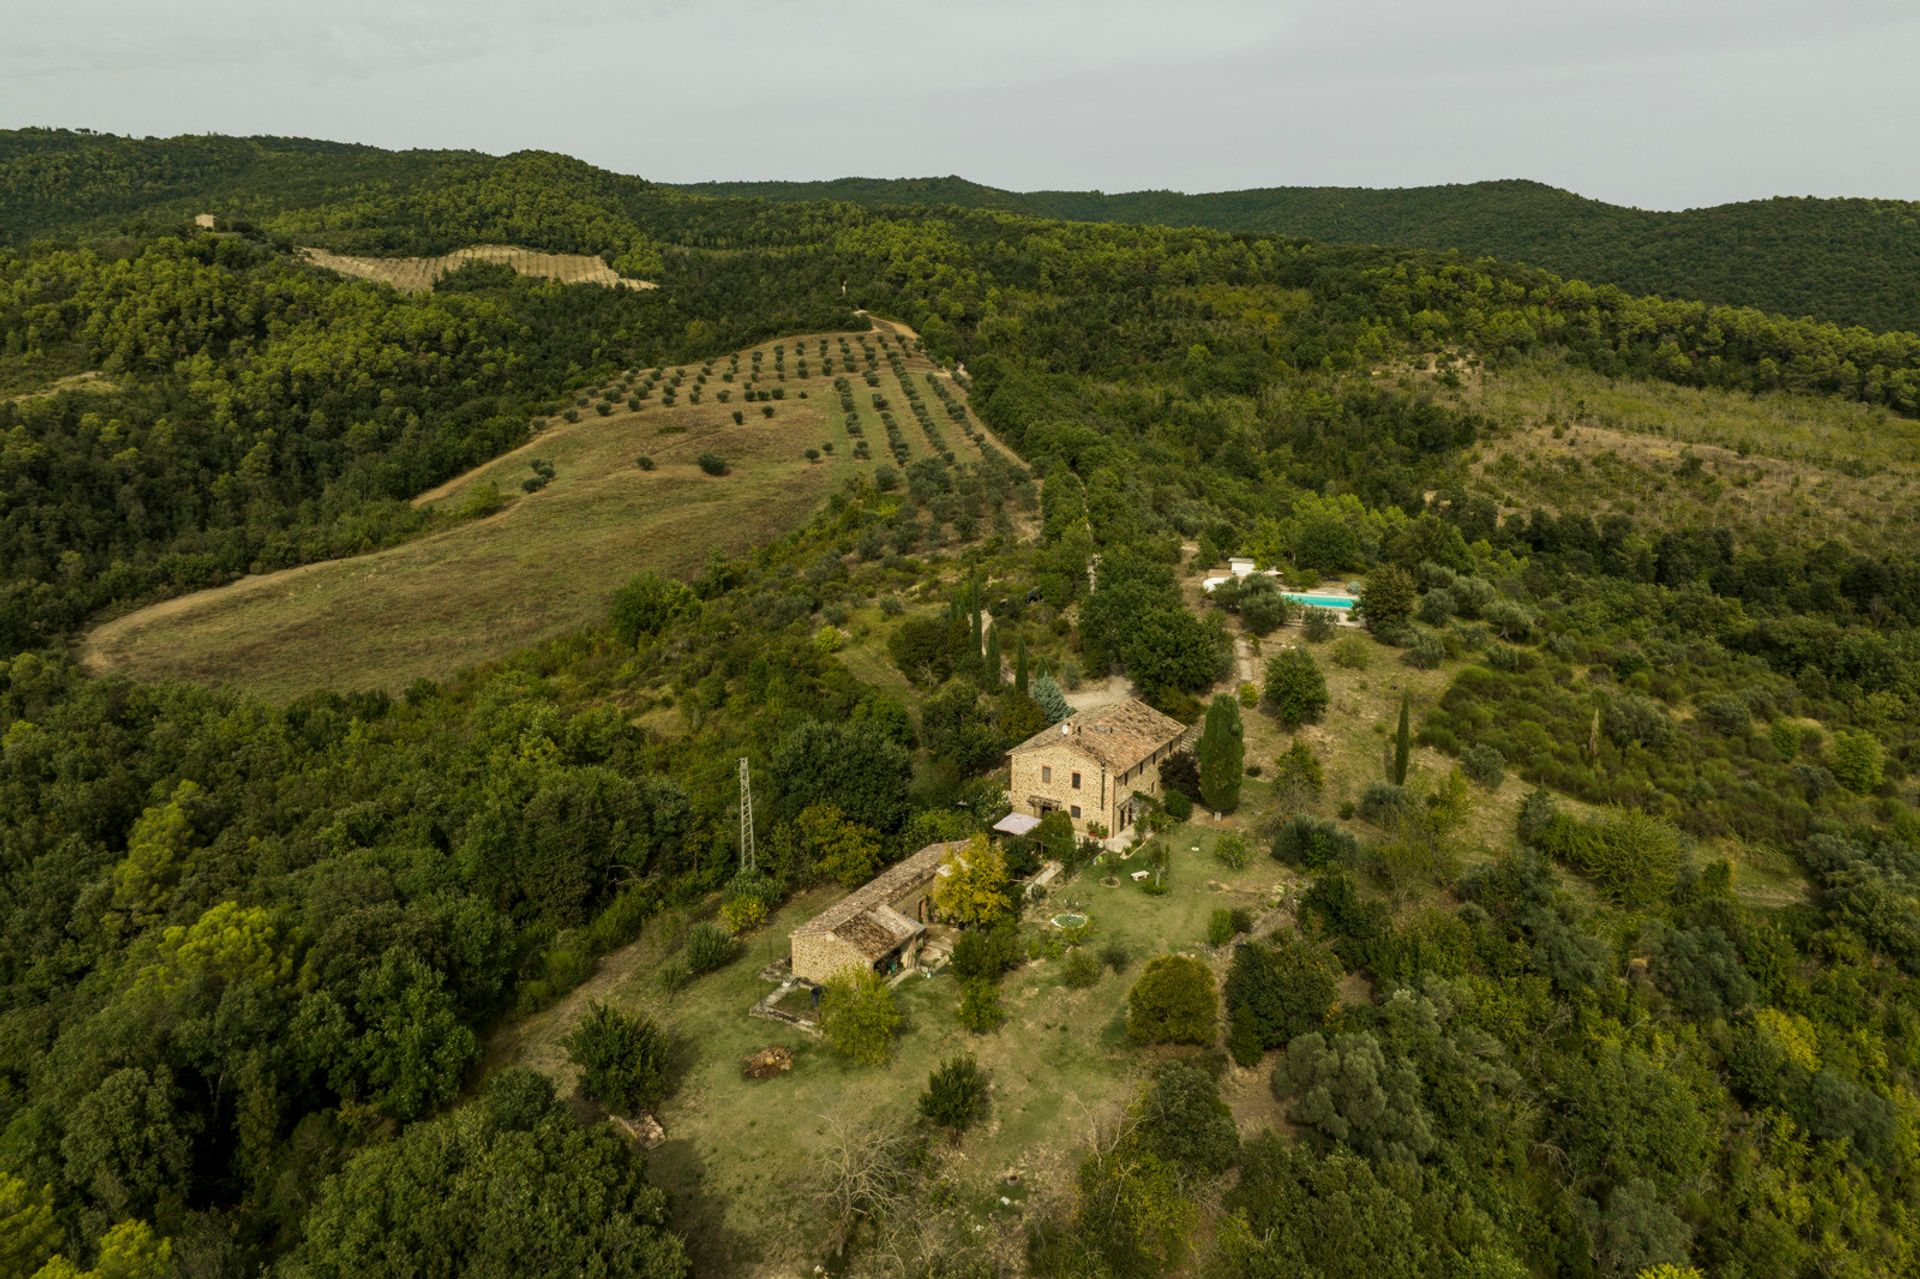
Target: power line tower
{"type": "Point", "coordinates": [746, 818]}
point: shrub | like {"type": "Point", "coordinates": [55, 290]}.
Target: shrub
{"type": "Point", "coordinates": [1484, 765]}
{"type": "Point", "coordinates": [1437, 607]}
{"type": "Point", "coordinates": [739, 418]}
{"type": "Point", "coordinates": [1387, 598]}
{"type": "Point", "coordinates": [1348, 1090]}
{"type": "Point", "coordinates": [1385, 804]}
{"type": "Point", "coordinates": [1178, 806]}
{"type": "Point", "coordinates": [1352, 652]}
{"type": "Point", "coordinates": [956, 1095]}
{"type": "Point", "coordinates": [766, 410]}
{"type": "Point", "coordinates": [1180, 775]}
{"type": "Point", "coordinates": [644, 462]}
{"type": "Point", "coordinates": [1317, 623]}
{"type": "Point", "coordinates": [1633, 719]}
{"type": "Point", "coordinates": [1297, 776]}
{"type": "Point", "coordinates": [645, 605]}
{"type": "Point", "coordinates": [1265, 611]}
{"type": "Point", "coordinates": [1511, 621]}
{"type": "Point", "coordinates": [709, 947]}
{"type": "Point", "coordinates": [1505, 657]}
{"type": "Point", "coordinates": [1226, 924]}
{"type": "Point", "coordinates": [986, 952]}
{"type": "Point", "coordinates": [1311, 842]}
{"type": "Point", "coordinates": [1082, 969]}
{"type": "Point", "coordinates": [1183, 1120]}
{"type": "Point", "coordinates": [483, 500]}
{"type": "Point", "coordinates": [1857, 760]}
{"type": "Point", "coordinates": [1173, 1002]}
{"type": "Point", "coordinates": [1296, 691]}
{"type": "Point", "coordinates": [1115, 955]}
{"type": "Point", "coordinates": [1426, 652]}
{"type": "Point", "coordinates": [858, 1016]}
{"type": "Point", "coordinates": [1784, 736]}
{"type": "Point", "coordinates": [673, 974]}
{"type": "Point", "coordinates": [980, 1010]}
{"type": "Point", "coordinates": [1632, 856]}
{"type": "Point", "coordinates": [622, 1059]}
{"type": "Point", "coordinates": [812, 455]}
{"type": "Point", "coordinates": [1231, 850]}
{"type": "Point", "coordinates": [712, 463]}
{"type": "Point", "coordinates": [1274, 993]}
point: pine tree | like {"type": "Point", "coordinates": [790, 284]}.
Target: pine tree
{"type": "Point", "coordinates": [1222, 755]}
{"type": "Point", "coordinates": [991, 669]}
{"type": "Point", "coordinates": [1046, 691]}
{"type": "Point", "coordinates": [1020, 665]}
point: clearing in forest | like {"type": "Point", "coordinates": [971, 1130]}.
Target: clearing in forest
{"type": "Point", "coordinates": [416, 275]}
{"type": "Point", "coordinates": [479, 586]}
{"type": "Point", "coordinates": [1777, 465]}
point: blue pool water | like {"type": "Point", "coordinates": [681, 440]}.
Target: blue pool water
{"type": "Point", "coordinates": [1324, 601]}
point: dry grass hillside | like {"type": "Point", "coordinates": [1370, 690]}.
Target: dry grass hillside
{"type": "Point", "coordinates": [481, 585]}
{"type": "Point", "coordinates": [1781, 466]}
{"type": "Point", "coordinates": [416, 275]}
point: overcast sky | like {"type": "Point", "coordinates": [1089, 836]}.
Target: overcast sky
{"type": "Point", "coordinates": [1658, 103]}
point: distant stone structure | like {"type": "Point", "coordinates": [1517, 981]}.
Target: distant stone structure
{"type": "Point", "coordinates": [879, 925]}
{"type": "Point", "coordinates": [1091, 764]}
{"type": "Point", "coordinates": [205, 221]}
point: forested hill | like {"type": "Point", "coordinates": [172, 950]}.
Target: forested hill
{"type": "Point", "coordinates": [1849, 261]}
{"type": "Point", "coordinates": [1606, 967]}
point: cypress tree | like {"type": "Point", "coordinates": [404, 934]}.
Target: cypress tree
{"type": "Point", "coordinates": [1020, 665]}
{"type": "Point", "coordinates": [991, 669]}
{"type": "Point", "coordinates": [973, 609]}
{"type": "Point", "coordinates": [1402, 748]}
{"type": "Point", "coordinates": [1221, 755]}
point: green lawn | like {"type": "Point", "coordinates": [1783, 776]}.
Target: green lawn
{"type": "Point", "coordinates": [1061, 1059]}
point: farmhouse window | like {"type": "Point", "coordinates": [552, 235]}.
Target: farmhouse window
{"type": "Point", "coordinates": [1076, 812]}
{"type": "Point", "coordinates": [1076, 781]}
{"type": "Point", "coordinates": [1046, 772]}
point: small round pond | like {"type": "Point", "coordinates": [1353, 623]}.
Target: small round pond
{"type": "Point", "coordinates": [1069, 919]}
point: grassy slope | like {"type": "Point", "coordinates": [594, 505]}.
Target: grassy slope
{"type": "Point", "coordinates": [1852, 261]}
{"type": "Point", "coordinates": [747, 1147]}
{"type": "Point", "coordinates": [1792, 468]}
{"type": "Point", "coordinates": [544, 565]}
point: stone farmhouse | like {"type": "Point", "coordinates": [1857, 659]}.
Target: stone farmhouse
{"type": "Point", "coordinates": [1091, 764]}
{"type": "Point", "coordinates": [879, 925]}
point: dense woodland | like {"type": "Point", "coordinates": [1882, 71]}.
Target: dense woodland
{"type": "Point", "coordinates": [1849, 261]}
{"type": "Point", "coordinates": [249, 953]}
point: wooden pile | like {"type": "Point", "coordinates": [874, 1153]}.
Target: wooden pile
{"type": "Point", "coordinates": [645, 1131]}
{"type": "Point", "coordinates": [767, 1063]}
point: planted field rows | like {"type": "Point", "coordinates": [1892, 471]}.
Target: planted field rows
{"type": "Point", "coordinates": [534, 543]}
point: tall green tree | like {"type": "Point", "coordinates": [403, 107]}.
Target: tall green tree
{"type": "Point", "coordinates": [520, 1189]}
{"type": "Point", "coordinates": [1296, 691]}
{"type": "Point", "coordinates": [1221, 753]}
{"type": "Point", "coordinates": [1402, 748]}
{"type": "Point", "coordinates": [1020, 664]}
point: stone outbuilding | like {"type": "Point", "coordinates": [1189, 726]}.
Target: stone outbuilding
{"type": "Point", "coordinates": [879, 925]}
{"type": "Point", "coordinates": [1091, 764]}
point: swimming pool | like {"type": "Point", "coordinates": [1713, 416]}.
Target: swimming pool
{"type": "Point", "coordinates": [1324, 601]}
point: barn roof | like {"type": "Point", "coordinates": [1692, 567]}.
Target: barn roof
{"type": "Point", "coordinates": [1118, 735]}
{"type": "Point", "coordinates": [865, 917]}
